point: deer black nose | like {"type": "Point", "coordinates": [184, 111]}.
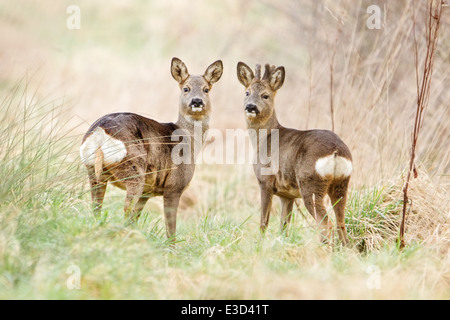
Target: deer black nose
{"type": "Point", "coordinates": [196, 102]}
{"type": "Point", "coordinates": [251, 108]}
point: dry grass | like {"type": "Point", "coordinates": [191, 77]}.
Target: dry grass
{"type": "Point", "coordinates": [119, 61]}
{"type": "Point", "coordinates": [428, 215]}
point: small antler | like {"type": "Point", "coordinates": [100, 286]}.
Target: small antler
{"type": "Point", "coordinates": [258, 72]}
{"type": "Point", "coordinates": [269, 69]}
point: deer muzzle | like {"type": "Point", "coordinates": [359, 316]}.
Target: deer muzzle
{"type": "Point", "coordinates": [197, 105]}
{"type": "Point", "coordinates": [251, 110]}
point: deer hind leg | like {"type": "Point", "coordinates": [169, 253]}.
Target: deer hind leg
{"type": "Point", "coordinates": [338, 196]}
{"type": "Point", "coordinates": [313, 193]}
{"type": "Point", "coordinates": [286, 213]}
{"type": "Point", "coordinates": [98, 190]}
{"type": "Point", "coordinates": [131, 176]}
{"type": "Point", "coordinates": [133, 204]}
{"type": "Point", "coordinates": [140, 204]}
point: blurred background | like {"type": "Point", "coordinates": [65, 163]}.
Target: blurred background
{"type": "Point", "coordinates": [119, 60]}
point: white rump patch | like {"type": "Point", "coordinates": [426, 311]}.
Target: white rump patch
{"type": "Point", "coordinates": [334, 166]}
{"type": "Point", "coordinates": [113, 149]}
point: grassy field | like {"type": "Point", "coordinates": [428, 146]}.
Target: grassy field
{"type": "Point", "coordinates": [54, 82]}
{"type": "Point", "coordinates": [49, 236]}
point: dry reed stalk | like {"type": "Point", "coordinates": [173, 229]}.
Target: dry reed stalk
{"type": "Point", "coordinates": [331, 89]}
{"type": "Point", "coordinates": [434, 12]}
{"type": "Point", "coordinates": [331, 63]}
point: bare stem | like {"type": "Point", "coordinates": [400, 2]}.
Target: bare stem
{"type": "Point", "coordinates": [434, 13]}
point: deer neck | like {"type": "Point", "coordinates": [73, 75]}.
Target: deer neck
{"type": "Point", "coordinates": [194, 133]}
{"type": "Point", "coordinates": [269, 124]}
{"type": "Point", "coordinates": [193, 126]}
{"type": "Point", "coordinates": [263, 132]}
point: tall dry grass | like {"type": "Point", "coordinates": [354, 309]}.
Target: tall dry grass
{"type": "Point", "coordinates": [423, 85]}
{"type": "Point", "coordinates": [119, 60]}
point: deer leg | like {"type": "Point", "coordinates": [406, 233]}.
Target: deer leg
{"type": "Point", "coordinates": [98, 190]}
{"type": "Point", "coordinates": [134, 189]}
{"type": "Point", "coordinates": [131, 175]}
{"type": "Point", "coordinates": [171, 201]}
{"type": "Point", "coordinates": [139, 206]}
{"type": "Point", "coordinates": [286, 213]}
{"type": "Point", "coordinates": [266, 205]}
{"type": "Point", "coordinates": [338, 196]}
{"type": "Point", "coordinates": [313, 199]}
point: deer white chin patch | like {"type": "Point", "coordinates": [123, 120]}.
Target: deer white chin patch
{"type": "Point", "coordinates": [250, 114]}
{"type": "Point", "coordinates": [334, 166]}
{"type": "Point", "coordinates": [113, 150]}
{"type": "Point", "coordinates": [197, 109]}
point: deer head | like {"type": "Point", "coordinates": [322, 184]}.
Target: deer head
{"type": "Point", "coordinates": [194, 100]}
{"type": "Point", "coordinates": [260, 92]}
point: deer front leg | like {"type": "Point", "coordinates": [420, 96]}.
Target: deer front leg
{"type": "Point", "coordinates": [266, 205]}
{"type": "Point", "coordinates": [171, 201]}
{"type": "Point", "coordinates": [286, 213]}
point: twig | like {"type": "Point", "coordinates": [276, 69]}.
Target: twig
{"type": "Point", "coordinates": [331, 87]}
{"type": "Point", "coordinates": [434, 12]}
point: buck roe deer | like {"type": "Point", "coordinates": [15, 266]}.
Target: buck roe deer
{"type": "Point", "coordinates": [134, 152]}
{"type": "Point", "coordinates": [311, 164]}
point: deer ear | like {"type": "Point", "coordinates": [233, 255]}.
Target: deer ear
{"type": "Point", "coordinates": [245, 74]}
{"type": "Point", "coordinates": [276, 79]}
{"type": "Point", "coordinates": [214, 72]}
{"type": "Point", "coordinates": [179, 70]}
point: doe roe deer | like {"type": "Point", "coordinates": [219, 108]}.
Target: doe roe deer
{"type": "Point", "coordinates": [135, 153]}
{"type": "Point", "coordinates": [311, 164]}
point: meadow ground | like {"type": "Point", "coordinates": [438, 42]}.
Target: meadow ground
{"type": "Point", "coordinates": [55, 81]}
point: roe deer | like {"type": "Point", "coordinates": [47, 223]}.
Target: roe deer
{"type": "Point", "coordinates": [311, 164]}
{"type": "Point", "coordinates": [135, 153]}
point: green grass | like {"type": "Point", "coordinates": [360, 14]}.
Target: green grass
{"type": "Point", "coordinates": [47, 231]}
{"type": "Point", "coordinates": [217, 257]}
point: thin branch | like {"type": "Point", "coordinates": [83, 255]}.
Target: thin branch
{"type": "Point", "coordinates": [434, 12]}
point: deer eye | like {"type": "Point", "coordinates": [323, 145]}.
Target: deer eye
{"type": "Point", "coordinates": [186, 89]}
{"type": "Point", "coordinates": [265, 96]}
{"type": "Point", "coordinates": [206, 90]}
{"type": "Point", "coordinates": [247, 93]}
